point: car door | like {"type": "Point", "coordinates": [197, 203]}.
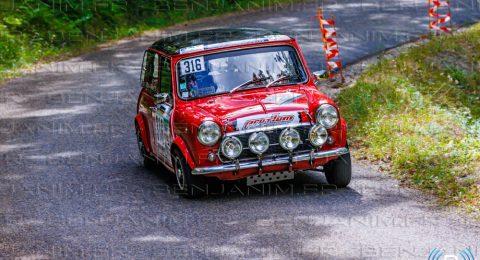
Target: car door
{"type": "Point", "coordinates": [163, 115]}
{"type": "Point", "coordinates": [150, 82]}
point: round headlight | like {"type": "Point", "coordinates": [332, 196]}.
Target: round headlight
{"type": "Point", "coordinates": [318, 135]}
{"type": "Point", "coordinates": [258, 143]}
{"type": "Point", "coordinates": [289, 139]}
{"type": "Point", "coordinates": [208, 133]}
{"type": "Point", "coordinates": [327, 115]}
{"type": "Point", "coordinates": [231, 147]}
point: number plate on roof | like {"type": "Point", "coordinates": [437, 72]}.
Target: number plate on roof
{"type": "Point", "coordinates": [193, 65]}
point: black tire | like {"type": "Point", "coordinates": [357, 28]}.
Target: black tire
{"type": "Point", "coordinates": [339, 171]}
{"type": "Point", "coordinates": [148, 162]}
{"type": "Point", "coordinates": [190, 186]}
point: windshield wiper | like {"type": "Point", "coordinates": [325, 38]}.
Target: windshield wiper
{"type": "Point", "coordinates": [286, 77]}
{"type": "Point", "coordinates": [247, 83]}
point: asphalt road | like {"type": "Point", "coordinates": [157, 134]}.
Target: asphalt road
{"type": "Point", "coordinates": [71, 185]}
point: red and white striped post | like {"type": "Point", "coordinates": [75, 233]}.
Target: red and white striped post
{"type": "Point", "coordinates": [330, 45]}
{"type": "Point", "coordinates": [438, 22]}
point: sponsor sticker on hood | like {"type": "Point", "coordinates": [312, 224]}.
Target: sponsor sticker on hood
{"type": "Point", "coordinates": [282, 98]}
{"type": "Point", "coordinates": [265, 120]}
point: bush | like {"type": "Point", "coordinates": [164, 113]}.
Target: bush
{"type": "Point", "coordinates": [10, 49]}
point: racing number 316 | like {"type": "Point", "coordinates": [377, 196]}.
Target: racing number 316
{"type": "Point", "coordinates": [192, 65]}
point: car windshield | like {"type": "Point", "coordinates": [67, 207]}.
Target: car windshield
{"type": "Point", "coordinates": [235, 70]}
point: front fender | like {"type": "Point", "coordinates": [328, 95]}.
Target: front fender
{"type": "Point", "coordinates": [344, 132]}
{"type": "Point", "coordinates": [143, 131]}
{"type": "Point", "coordinates": [180, 144]}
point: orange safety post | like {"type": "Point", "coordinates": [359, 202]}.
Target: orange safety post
{"type": "Point", "coordinates": [437, 21]}
{"type": "Point", "coordinates": [330, 45]}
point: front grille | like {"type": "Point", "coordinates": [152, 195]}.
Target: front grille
{"type": "Point", "coordinates": [275, 149]}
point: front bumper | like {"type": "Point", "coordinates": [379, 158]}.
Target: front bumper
{"type": "Point", "coordinates": [229, 167]}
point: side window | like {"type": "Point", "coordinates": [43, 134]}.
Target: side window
{"type": "Point", "coordinates": [166, 77]}
{"type": "Point", "coordinates": [150, 71]}
{"type": "Point", "coordinates": [144, 69]}
{"type": "Point", "coordinates": [156, 75]}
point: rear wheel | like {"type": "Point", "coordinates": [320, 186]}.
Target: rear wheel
{"type": "Point", "coordinates": [339, 171]}
{"type": "Point", "coordinates": [190, 186]}
{"type": "Point", "coordinates": [147, 161]}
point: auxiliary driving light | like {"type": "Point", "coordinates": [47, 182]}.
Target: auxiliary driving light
{"type": "Point", "coordinates": [231, 147]}
{"type": "Point", "coordinates": [318, 135]}
{"type": "Point", "coordinates": [258, 143]}
{"type": "Point", "coordinates": [289, 139]}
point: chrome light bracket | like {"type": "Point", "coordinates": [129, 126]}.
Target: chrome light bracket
{"type": "Point", "coordinates": [309, 116]}
{"type": "Point", "coordinates": [237, 167]}
{"type": "Point", "coordinates": [312, 157]}
{"type": "Point", "coordinates": [219, 155]}
{"type": "Point", "coordinates": [260, 165]}
{"type": "Point", "coordinates": [290, 161]}
{"type": "Point", "coordinates": [225, 127]}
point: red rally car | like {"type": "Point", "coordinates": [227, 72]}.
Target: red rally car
{"type": "Point", "coordinates": [233, 104]}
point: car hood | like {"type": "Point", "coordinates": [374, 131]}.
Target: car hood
{"type": "Point", "coordinates": [260, 108]}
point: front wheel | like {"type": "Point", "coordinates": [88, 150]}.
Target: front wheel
{"type": "Point", "coordinates": [339, 171]}
{"type": "Point", "coordinates": [190, 186]}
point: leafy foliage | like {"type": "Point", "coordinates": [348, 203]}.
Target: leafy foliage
{"type": "Point", "coordinates": [9, 50]}
{"type": "Point", "coordinates": [37, 29]}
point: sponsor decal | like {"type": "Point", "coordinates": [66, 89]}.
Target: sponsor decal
{"type": "Point", "coordinates": [232, 43]}
{"type": "Point", "coordinates": [282, 98]}
{"type": "Point", "coordinates": [265, 120]}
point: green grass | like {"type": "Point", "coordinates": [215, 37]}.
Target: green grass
{"type": "Point", "coordinates": [45, 30]}
{"type": "Point", "coordinates": [419, 115]}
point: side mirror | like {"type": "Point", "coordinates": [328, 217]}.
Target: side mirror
{"type": "Point", "coordinates": [321, 74]}
{"type": "Point", "coordinates": [161, 97]}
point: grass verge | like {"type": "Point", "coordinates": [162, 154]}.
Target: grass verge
{"type": "Point", "coordinates": [418, 116]}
